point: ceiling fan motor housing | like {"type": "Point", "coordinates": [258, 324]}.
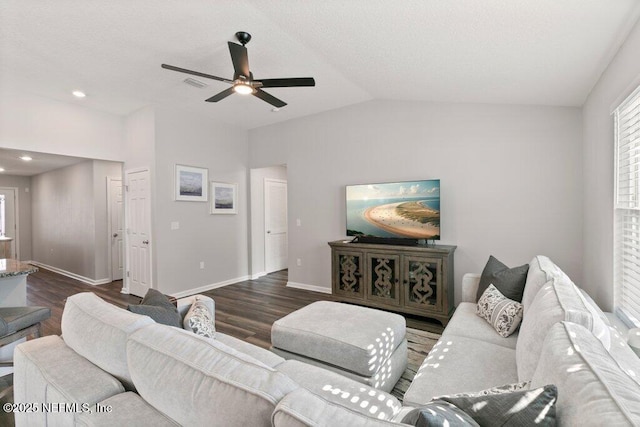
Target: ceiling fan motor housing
{"type": "Point", "coordinates": [243, 37]}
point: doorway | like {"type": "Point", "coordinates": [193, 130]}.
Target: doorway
{"type": "Point", "coordinates": [9, 222]}
{"type": "Point", "coordinates": [269, 251]}
{"type": "Point", "coordinates": [116, 226]}
{"type": "Point", "coordinates": [138, 236]}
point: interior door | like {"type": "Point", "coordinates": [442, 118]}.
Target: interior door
{"type": "Point", "coordinates": [116, 222]}
{"type": "Point", "coordinates": [9, 213]}
{"type": "Point", "coordinates": [138, 231]}
{"type": "Point", "coordinates": [275, 221]}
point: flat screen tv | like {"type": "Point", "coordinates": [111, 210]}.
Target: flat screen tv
{"type": "Point", "coordinates": [394, 210]}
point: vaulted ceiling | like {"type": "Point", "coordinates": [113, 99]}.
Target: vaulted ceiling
{"type": "Point", "coordinates": [546, 52]}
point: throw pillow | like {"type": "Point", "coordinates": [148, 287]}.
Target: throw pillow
{"type": "Point", "coordinates": [157, 305]}
{"type": "Point", "coordinates": [199, 320]}
{"type": "Point", "coordinates": [509, 281]}
{"type": "Point", "coordinates": [521, 408]}
{"type": "Point", "coordinates": [502, 313]}
{"type": "Point", "coordinates": [438, 414]}
{"type": "Point", "coordinates": [506, 388]}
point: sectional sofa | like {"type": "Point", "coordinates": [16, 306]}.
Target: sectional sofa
{"type": "Point", "coordinates": [114, 367]}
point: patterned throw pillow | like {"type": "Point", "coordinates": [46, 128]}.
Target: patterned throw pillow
{"type": "Point", "coordinates": [501, 389]}
{"type": "Point", "coordinates": [199, 320]}
{"type": "Point", "coordinates": [502, 313]}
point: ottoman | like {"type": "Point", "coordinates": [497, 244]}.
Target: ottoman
{"type": "Point", "coordinates": [361, 343]}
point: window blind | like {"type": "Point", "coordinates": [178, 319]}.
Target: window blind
{"type": "Point", "coordinates": [627, 209]}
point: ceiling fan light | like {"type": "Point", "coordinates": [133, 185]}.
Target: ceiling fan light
{"type": "Point", "coordinates": [243, 89]}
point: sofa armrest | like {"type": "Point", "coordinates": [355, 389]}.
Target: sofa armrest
{"type": "Point", "coordinates": [185, 303]}
{"type": "Point", "coordinates": [470, 282]}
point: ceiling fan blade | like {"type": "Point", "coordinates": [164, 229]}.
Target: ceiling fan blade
{"type": "Point", "coordinates": [288, 82]}
{"type": "Point", "coordinates": [240, 59]}
{"type": "Point", "coordinates": [269, 98]}
{"type": "Point", "coordinates": [222, 95]}
{"type": "Point", "coordinates": [195, 73]}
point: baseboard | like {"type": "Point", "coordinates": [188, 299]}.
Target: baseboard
{"type": "Point", "coordinates": [307, 287]}
{"type": "Point", "coordinates": [258, 275]}
{"type": "Point", "coordinates": [205, 288]}
{"type": "Point", "coordinates": [88, 281]}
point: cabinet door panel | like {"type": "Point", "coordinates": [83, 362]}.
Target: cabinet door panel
{"type": "Point", "coordinates": [423, 283]}
{"type": "Point", "coordinates": [348, 274]}
{"type": "Point", "coordinates": [383, 278]}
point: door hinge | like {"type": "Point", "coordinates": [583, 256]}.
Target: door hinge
{"type": "Point", "coordinates": [127, 274]}
{"type": "Point", "coordinates": [126, 188]}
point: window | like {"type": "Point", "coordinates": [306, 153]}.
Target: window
{"type": "Point", "coordinates": [627, 210]}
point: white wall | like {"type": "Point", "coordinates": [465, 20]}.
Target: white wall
{"type": "Point", "coordinates": [257, 177]}
{"type": "Point", "coordinates": [510, 177]}
{"type": "Point", "coordinates": [220, 241]}
{"type": "Point", "coordinates": [620, 78]}
{"type": "Point", "coordinates": [22, 183]}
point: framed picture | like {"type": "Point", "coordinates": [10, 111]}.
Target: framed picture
{"type": "Point", "coordinates": [224, 198]}
{"type": "Point", "coordinates": [191, 184]}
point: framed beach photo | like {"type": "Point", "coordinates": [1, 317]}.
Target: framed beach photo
{"type": "Point", "coordinates": [224, 198]}
{"type": "Point", "coordinates": [191, 184]}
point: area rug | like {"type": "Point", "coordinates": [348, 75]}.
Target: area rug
{"type": "Point", "coordinates": [419, 344]}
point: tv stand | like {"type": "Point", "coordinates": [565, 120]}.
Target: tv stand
{"type": "Point", "coordinates": [414, 279]}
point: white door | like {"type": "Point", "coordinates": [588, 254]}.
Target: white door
{"type": "Point", "coordinates": [275, 223]}
{"type": "Point", "coordinates": [116, 225]}
{"type": "Point", "coordinates": [8, 223]}
{"type": "Point", "coordinates": [138, 237]}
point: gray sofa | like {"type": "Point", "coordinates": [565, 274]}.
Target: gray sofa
{"type": "Point", "coordinates": [114, 367]}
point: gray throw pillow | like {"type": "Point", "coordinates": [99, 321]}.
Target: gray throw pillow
{"type": "Point", "coordinates": [438, 414]}
{"type": "Point", "coordinates": [509, 281]}
{"type": "Point", "coordinates": [520, 408]}
{"type": "Point", "coordinates": [157, 305]}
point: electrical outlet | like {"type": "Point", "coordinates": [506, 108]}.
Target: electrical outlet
{"type": "Point", "coordinates": [201, 265]}
{"type": "Point", "coordinates": [298, 262]}
{"type": "Point", "coordinates": [175, 225]}
{"type": "Point", "coordinates": [298, 222]}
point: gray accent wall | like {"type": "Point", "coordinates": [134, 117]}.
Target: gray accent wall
{"type": "Point", "coordinates": [23, 184]}
{"type": "Point", "coordinates": [618, 81]}
{"type": "Point", "coordinates": [69, 229]}
{"type": "Point", "coordinates": [511, 177]}
{"type": "Point", "coordinates": [220, 241]}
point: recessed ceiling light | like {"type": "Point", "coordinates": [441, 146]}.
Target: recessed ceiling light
{"type": "Point", "coordinates": [1, 169]}
{"type": "Point", "coordinates": [275, 109]}
{"type": "Point", "coordinates": [79, 94]}
{"type": "Point", "coordinates": [26, 158]}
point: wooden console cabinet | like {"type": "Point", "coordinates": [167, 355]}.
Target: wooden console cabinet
{"type": "Point", "coordinates": [410, 279]}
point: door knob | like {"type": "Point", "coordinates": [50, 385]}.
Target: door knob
{"type": "Point", "coordinates": [145, 242]}
{"type": "Point", "coordinates": [115, 234]}
{"type": "Point", "coordinates": [268, 231]}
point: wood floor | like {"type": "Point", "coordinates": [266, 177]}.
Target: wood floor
{"type": "Point", "coordinates": [245, 310]}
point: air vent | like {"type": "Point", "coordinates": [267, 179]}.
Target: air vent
{"type": "Point", "coordinates": [195, 83]}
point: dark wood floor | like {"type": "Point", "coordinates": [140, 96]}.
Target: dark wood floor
{"type": "Point", "coordinates": [245, 310]}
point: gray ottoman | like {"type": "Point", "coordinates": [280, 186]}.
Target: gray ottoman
{"type": "Point", "coordinates": [361, 343]}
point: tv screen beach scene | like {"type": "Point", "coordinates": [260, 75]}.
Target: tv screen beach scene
{"type": "Point", "coordinates": [401, 210]}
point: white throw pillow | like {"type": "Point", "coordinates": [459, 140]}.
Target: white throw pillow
{"type": "Point", "coordinates": [501, 312]}
{"type": "Point", "coordinates": [199, 320]}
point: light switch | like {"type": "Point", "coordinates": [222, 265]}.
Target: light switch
{"type": "Point", "coordinates": [175, 225]}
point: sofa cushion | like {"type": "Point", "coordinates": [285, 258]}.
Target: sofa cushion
{"type": "Point", "coordinates": [98, 331]}
{"type": "Point", "coordinates": [501, 312]}
{"type": "Point", "coordinates": [541, 271]}
{"type": "Point", "coordinates": [125, 409]}
{"type": "Point", "coordinates": [509, 281]}
{"type": "Point", "coordinates": [199, 381]}
{"type": "Point", "coordinates": [466, 323]}
{"type": "Point", "coordinates": [341, 390]}
{"type": "Point", "coordinates": [304, 408]}
{"type": "Point", "coordinates": [157, 305]}
{"type": "Point", "coordinates": [458, 364]}
{"type": "Point", "coordinates": [48, 371]}
{"type": "Point", "coordinates": [264, 356]}
{"type": "Point", "coordinates": [558, 300]}
{"type": "Point", "coordinates": [593, 389]}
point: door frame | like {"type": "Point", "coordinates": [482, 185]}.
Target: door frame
{"type": "Point", "coordinates": [264, 203]}
{"type": "Point", "coordinates": [16, 214]}
{"type": "Point", "coordinates": [110, 179]}
{"type": "Point", "coordinates": [127, 213]}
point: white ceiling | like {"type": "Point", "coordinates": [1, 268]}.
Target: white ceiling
{"type": "Point", "coordinates": [548, 52]}
{"type": "Point", "coordinates": [12, 164]}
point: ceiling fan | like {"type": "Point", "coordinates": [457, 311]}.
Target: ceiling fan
{"type": "Point", "coordinates": [243, 81]}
